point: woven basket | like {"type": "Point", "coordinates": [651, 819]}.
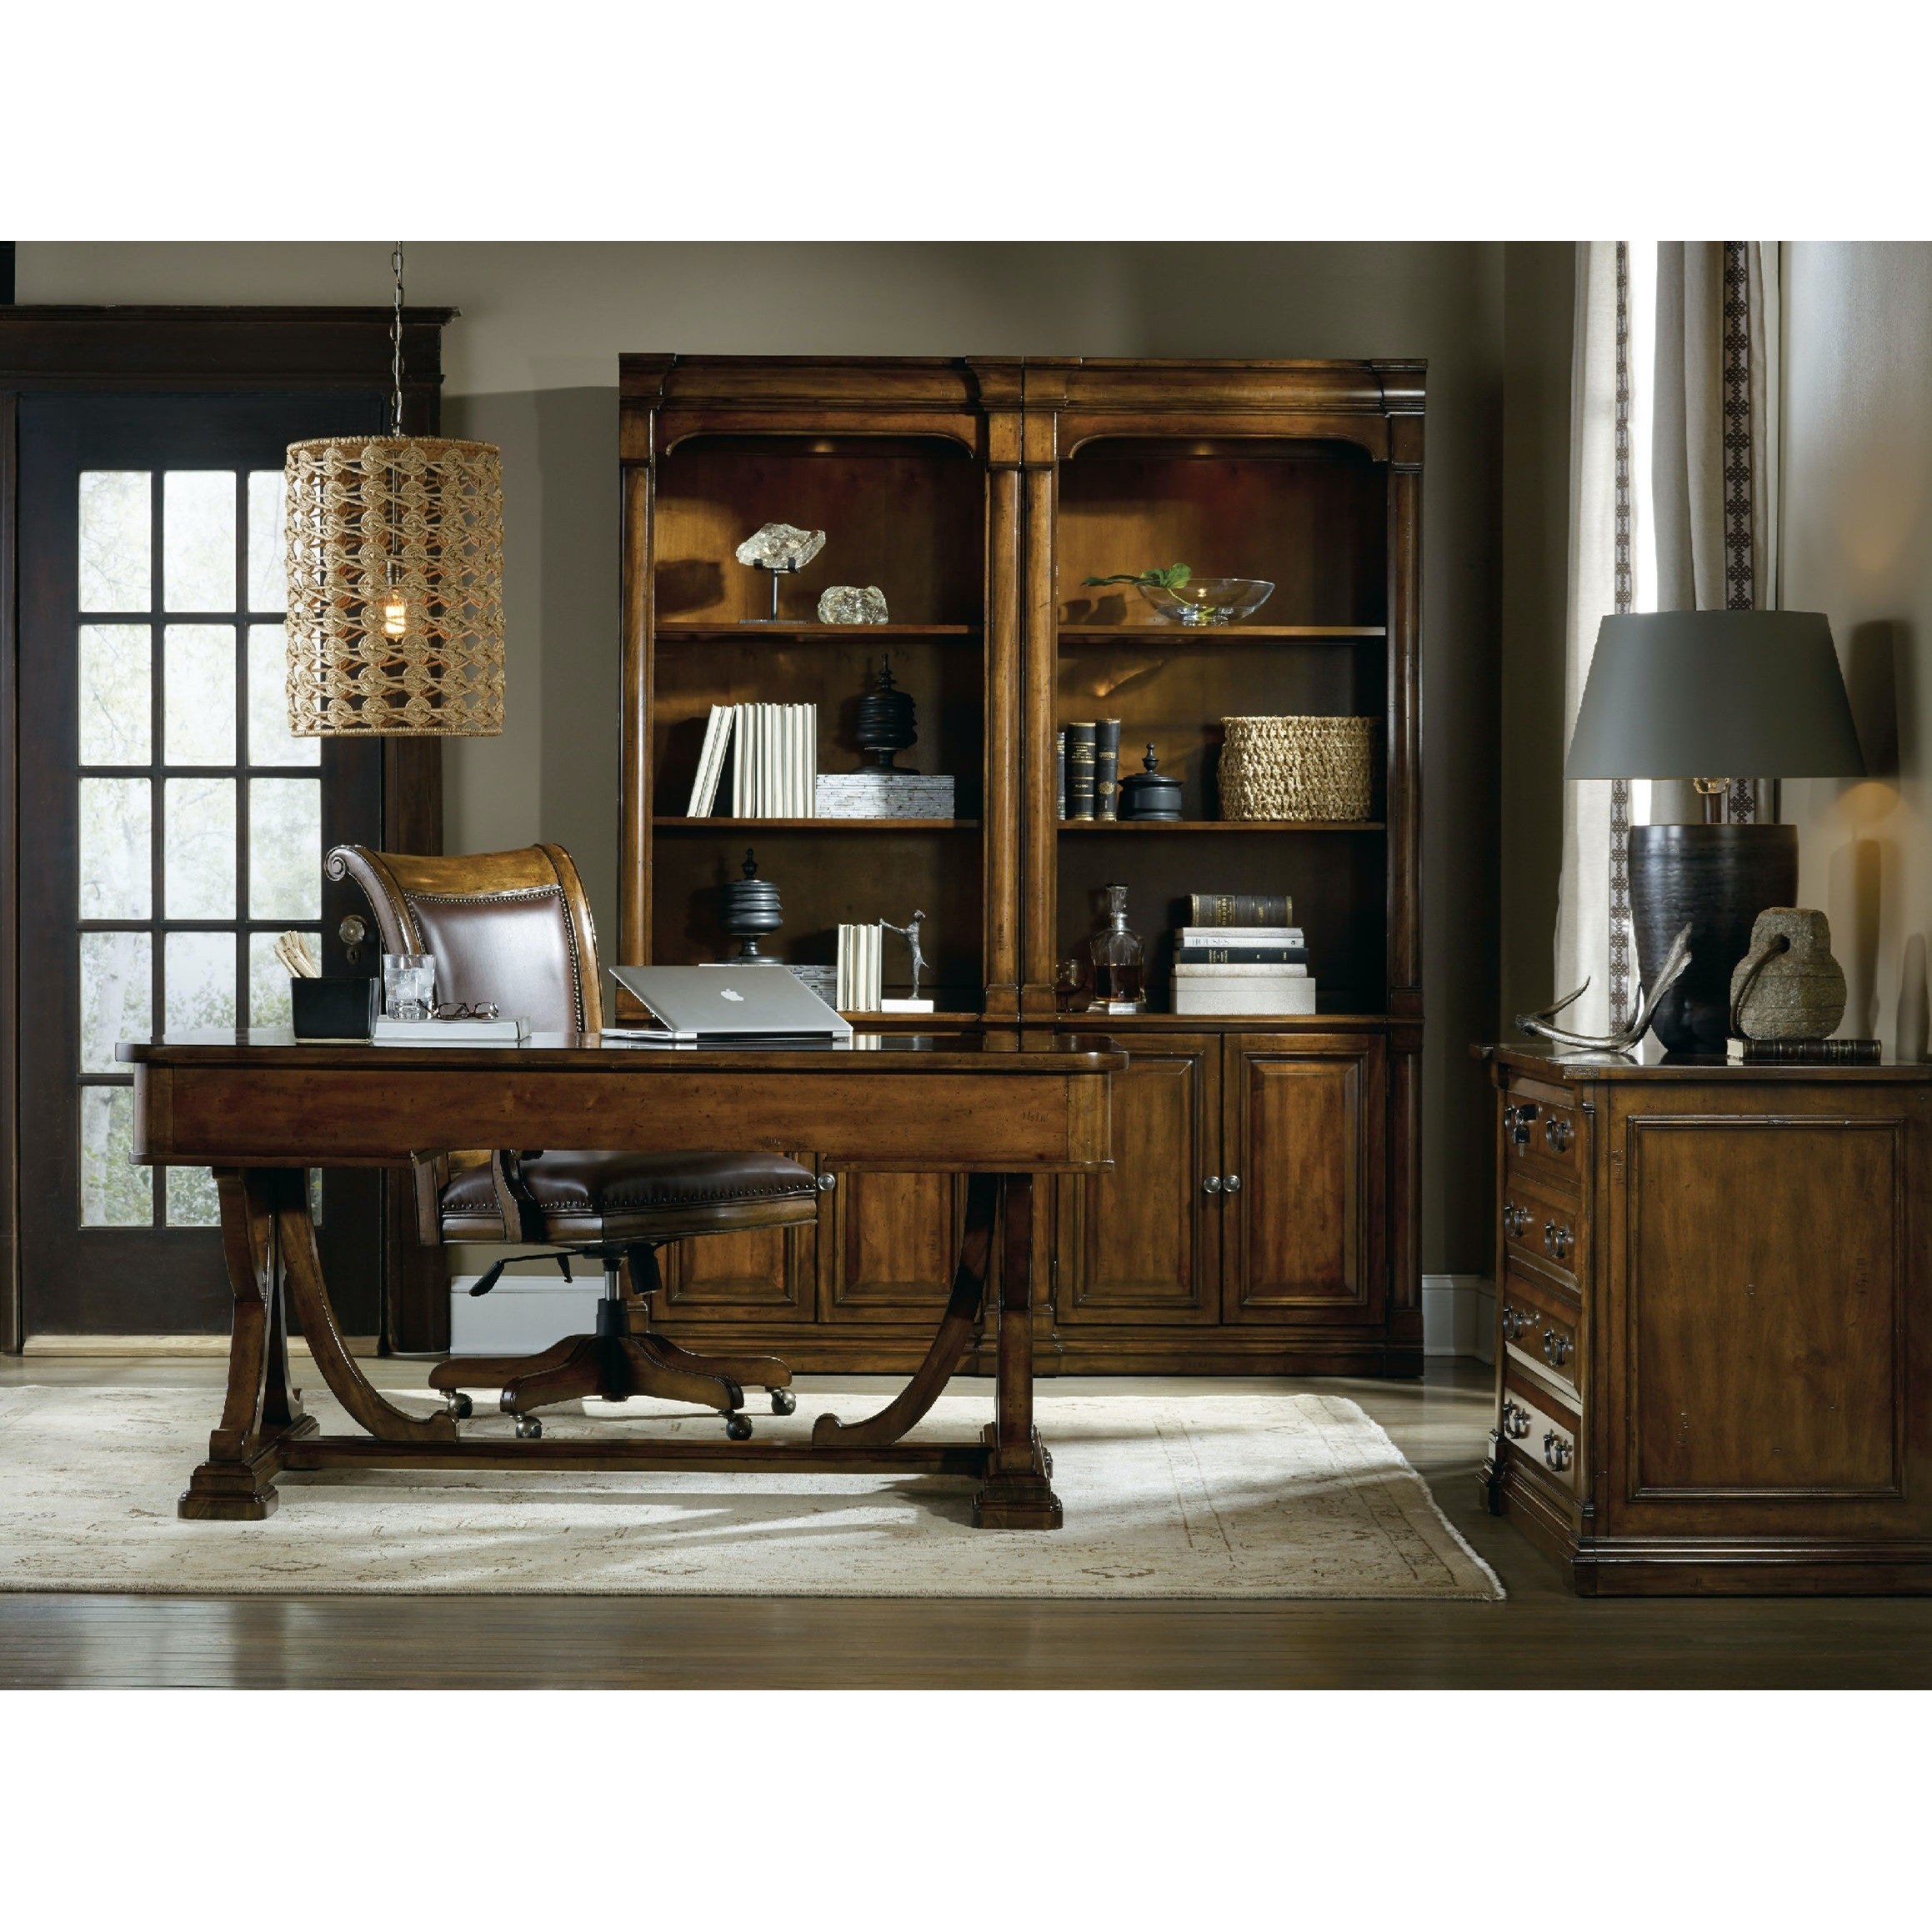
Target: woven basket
{"type": "Point", "coordinates": [1298, 767]}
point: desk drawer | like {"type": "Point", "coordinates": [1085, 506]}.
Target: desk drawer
{"type": "Point", "coordinates": [1541, 1327]}
{"type": "Point", "coordinates": [1544, 1436]}
{"type": "Point", "coordinates": [1541, 1224]}
{"type": "Point", "coordinates": [1542, 1132]}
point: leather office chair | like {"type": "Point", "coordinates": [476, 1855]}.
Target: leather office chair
{"type": "Point", "coordinates": [513, 928]}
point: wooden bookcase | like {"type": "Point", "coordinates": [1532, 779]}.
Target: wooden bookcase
{"type": "Point", "coordinates": [978, 494]}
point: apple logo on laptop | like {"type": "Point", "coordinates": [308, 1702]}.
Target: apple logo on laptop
{"type": "Point", "coordinates": [726, 993]}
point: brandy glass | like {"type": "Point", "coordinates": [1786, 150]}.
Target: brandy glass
{"type": "Point", "coordinates": [1120, 962]}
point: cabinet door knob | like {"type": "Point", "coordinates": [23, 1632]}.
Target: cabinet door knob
{"type": "Point", "coordinates": [1230, 1184]}
{"type": "Point", "coordinates": [827, 1181]}
{"type": "Point", "coordinates": [1212, 1185]}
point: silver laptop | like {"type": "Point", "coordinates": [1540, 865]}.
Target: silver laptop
{"type": "Point", "coordinates": [721, 1005]}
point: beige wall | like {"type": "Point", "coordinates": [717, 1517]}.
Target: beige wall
{"type": "Point", "coordinates": [532, 365]}
{"type": "Point", "coordinates": [1857, 544]}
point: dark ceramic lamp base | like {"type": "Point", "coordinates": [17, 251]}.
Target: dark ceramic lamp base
{"type": "Point", "coordinates": [1719, 878]}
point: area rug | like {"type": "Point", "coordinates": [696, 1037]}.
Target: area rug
{"type": "Point", "coordinates": [1299, 1494]}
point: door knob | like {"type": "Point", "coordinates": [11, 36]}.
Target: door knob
{"type": "Point", "coordinates": [1230, 1184]}
{"type": "Point", "coordinates": [352, 932]}
{"type": "Point", "coordinates": [1212, 1185]}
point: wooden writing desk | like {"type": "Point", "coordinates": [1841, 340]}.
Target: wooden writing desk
{"type": "Point", "coordinates": [260, 1110]}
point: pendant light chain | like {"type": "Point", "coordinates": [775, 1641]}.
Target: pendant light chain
{"type": "Point", "coordinates": [396, 348]}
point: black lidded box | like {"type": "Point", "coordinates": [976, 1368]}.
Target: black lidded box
{"type": "Point", "coordinates": [336, 1006]}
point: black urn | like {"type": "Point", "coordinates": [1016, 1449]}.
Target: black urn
{"type": "Point", "coordinates": [749, 907]}
{"type": "Point", "coordinates": [1150, 793]}
{"type": "Point", "coordinates": [887, 722]}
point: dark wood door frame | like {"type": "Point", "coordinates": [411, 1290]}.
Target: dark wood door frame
{"type": "Point", "coordinates": [186, 351]}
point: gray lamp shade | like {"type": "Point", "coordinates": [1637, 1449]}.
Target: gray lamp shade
{"type": "Point", "coordinates": [1714, 694]}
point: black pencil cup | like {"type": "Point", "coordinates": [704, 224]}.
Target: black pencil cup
{"type": "Point", "coordinates": [336, 1006]}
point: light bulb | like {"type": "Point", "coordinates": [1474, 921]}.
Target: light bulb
{"type": "Point", "coordinates": [395, 608]}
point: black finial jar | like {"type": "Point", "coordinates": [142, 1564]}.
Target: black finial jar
{"type": "Point", "coordinates": [1150, 793]}
{"type": "Point", "coordinates": [749, 906]}
{"type": "Point", "coordinates": [886, 722]}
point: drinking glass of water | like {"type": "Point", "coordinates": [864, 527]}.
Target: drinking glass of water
{"type": "Point", "coordinates": [408, 985]}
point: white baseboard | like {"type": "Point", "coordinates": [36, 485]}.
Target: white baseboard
{"type": "Point", "coordinates": [1458, 1313]}
{"type": "Point", "coordinates": [522, 1314]}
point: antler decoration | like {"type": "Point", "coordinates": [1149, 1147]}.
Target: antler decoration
{"type": "Point", "coordinates": [1676, 963]}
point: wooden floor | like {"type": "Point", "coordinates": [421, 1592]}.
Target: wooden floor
{"type": "Point", "coordinates": [1541, 1637]}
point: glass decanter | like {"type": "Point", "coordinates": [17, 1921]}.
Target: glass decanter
{"type": "Point", "coordinates": [1120, 962]}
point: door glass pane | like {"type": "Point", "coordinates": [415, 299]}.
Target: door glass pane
{"type": "Point", "coordinates": [116, 879]}
{"type": "Point", "coordinates": [199, 725]}
{"type": "Point", "coordinates": [192, 1199]}
{"type": "Point", "coordinates": [267, 541]}
{"type": "Point", "coordinates": [198, 539]}
{"type": "Point", "coordinates": [116, 698]}
{"type": "Point", "coordinates": [268, 740]}
{"type": "Point", "coordinates": [284, 848]}
{"type": "Point", "coordinates": [114, 1193]}
{"type": "Point", "coordinates": [201, 980]}
{"type": "Point", "coordinates": [198, 848]}
{"type": "Point", "coordinates": [117, 540]}
{"type": "Point", "coordinates": [268, 980]}
{"type": "Point", "coordinates": [116, 995]}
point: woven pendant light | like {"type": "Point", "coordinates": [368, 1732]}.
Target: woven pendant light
{"type": "Point", "coordinates": [395, 580]}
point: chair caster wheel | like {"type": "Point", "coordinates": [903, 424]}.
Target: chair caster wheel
{"type": "Point", "coordinates": [737, 1427]}
{"type": "Point", "coordinates": [530, 1428]}
{"type": "Point", "coordinates": [458, 1404]}
{"type": "Point", "coordinates": [783, 1402]}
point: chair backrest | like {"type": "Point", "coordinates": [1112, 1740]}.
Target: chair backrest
{"type": "Point", "coordinates": [511, 926]}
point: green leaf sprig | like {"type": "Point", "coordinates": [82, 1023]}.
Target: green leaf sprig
{"type": "Point", "coordinates": [1172, 578]}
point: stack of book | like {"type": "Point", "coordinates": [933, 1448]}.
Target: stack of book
{"type": "Point", "coordinates": [1242, 954]}
{"type": "Point", "coordinates": [775, 771]}
{"type": "Point", "coordinates": [449, 1033]}
{"type": "Point", "coordinates": [876, 794]}
{"type": "Point", "coordinates": [861, 969]}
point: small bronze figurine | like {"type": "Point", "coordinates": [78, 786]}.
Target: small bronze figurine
{"type": "Point", "coordinates": [909, 932]}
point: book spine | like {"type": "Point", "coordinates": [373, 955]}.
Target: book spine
{"type": "Point", "coordinates": [1060, 763]}
{"type": "Point", "coordinates": [740, 753]}
{"type": "Point", "coordinates": [1240, 955]}
{"type": "Point", "coordinates": [842, 995]}
{"type": "Point", "coordinates": [1845, 1053]}
{"type": "Point", "coordinates": [1080, 771]}
{"type": "Point", "coordinates": [1241, 936]}
{"type": "Point", "coordinates": [1241, 908]}
{"type": "Point", "coordinates": [811, 761]}
{"type": "Point", "coordinates": [1202, 970]}
{"type": "Point", "coordinates": [1107, 768]}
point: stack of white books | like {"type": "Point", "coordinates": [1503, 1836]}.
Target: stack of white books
{"type": "Point", "coordinates": [876, 794]}
{"type": "Point", "coordinates": [861, 969]}
{"type": "Point", "coordinates": [1237, 969]}
{"type": "Point", "coordinates": [449, 1033]}
{"type": "Point", "coordinates": [775, 771]}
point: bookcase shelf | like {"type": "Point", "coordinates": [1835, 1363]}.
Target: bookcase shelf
{"type": "Point", "coordinates": [675, 630]}
{"type": "Point", "coordinates": [1231, 825]}
{"type": "Point", "coordinates": [728, 825]}
{"type": "Point", "coordinates": [1141, 635]}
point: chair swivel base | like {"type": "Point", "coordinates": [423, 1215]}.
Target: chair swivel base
{"type": "Point", "coordinates": [613, 1365]}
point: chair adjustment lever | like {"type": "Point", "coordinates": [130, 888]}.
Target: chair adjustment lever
{"type": "Point", "coordinates": [494, 1272]}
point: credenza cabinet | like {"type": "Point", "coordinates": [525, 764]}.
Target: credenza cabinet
{"type": "Point", "coordinates": [1713, 1343]}
{"type": "Point", "coordinates": [1261, 1215]}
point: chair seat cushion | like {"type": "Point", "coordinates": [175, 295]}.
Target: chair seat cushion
{"type": "Point", "coordinates": [589, 1196]}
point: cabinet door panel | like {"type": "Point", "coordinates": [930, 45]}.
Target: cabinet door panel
{"type": "Point", "coordinates": [761, 1273]}
{"type": "Point", "coordinates": [1141, 1244]}
{"type": "Point", "coordinates": [1305, 1132]}
{"type": "Point", "coordinates": [893, 1239]}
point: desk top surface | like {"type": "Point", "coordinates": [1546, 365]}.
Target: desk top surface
{"type": "Point", "coordinates": [267, 1048]}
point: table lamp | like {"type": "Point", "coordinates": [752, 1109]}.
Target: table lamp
{"type": "Point", "coordinates": [1711, 695]}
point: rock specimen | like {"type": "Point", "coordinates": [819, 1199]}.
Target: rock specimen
{"type": "Point", "coordinates": [781, 546]}
{"type": "Point", "coordinates": [846, 603]}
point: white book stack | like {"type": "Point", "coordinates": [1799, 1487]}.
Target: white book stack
{"type": "Point", "coordinates": [861, 976]}
{"type": "Point", "coordinates": [449, 1033]}
{"type": "Point", "coordinates": [774, 770]}
{"type": "Point", "coordinates": [874, 794]}
{"type": "Point", "coordinates": [1260, 969]}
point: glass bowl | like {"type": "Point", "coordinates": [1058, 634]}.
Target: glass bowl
{"type": "Point", "coordinates": [1209, 600]}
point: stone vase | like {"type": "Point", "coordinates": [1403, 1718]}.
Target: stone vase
{"type": "Point", "coordinates": [1787, 986]}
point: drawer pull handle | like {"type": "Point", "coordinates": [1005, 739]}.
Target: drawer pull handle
{"type": "Point", "coordinates": [1515, 1219]}
{"type": "Point", "coordinates": [1212, 1185]}
{"type": "Point", "coordinates": [1516, 1322]}
{"type": "Point", "coordinates": [1516, 1120]}
{"type": "Point", "coordinates": [1556, 1132]}
{"type": "Point", "coordinates": [1515, 1421]}
{"type": "Point", "coordinates": [1556, 1452]}
{"type": "Point", "coordinates": [1557, 1241]}
{"type": "Point", "coordinates": [1556, 1348]}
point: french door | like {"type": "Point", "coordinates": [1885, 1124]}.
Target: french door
{"type": "Point", "coordinates": [170, 829]}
